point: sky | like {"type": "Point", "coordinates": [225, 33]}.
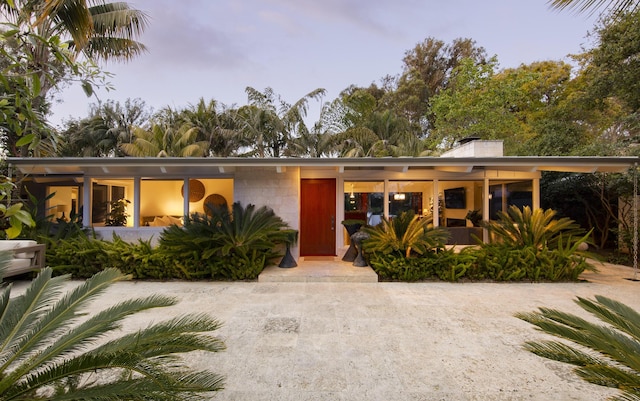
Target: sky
{"type": "Point", "coordinates": [214, 49]}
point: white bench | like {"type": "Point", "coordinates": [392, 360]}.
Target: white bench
{"type": "Point", "coordinates": [28, 256]}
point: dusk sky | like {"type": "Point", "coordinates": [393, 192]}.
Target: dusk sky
{"type": "Point", "coordinates": [214, 49]}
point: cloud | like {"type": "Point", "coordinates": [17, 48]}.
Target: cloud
{"type": "Point", "coordinates": [371, 16]}
{"type": "Point", "coordinates": [187, 35]}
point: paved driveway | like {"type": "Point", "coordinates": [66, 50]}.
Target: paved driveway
{"type": "Point", "coordinates": [383, 341]}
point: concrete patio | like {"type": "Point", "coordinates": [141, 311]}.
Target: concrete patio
{"type": "Point", "coordinates": [297, 341]}
{"type": "Point", "coordinates": [319, 269]}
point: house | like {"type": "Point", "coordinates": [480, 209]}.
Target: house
{"type": "Point", "coordinates": [313, 195]}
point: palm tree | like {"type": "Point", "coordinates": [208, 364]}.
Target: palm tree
{"type": "Point", "coordinates": [93, 28]}
{"type": "Point", "coordinates": [164, 141]}
{"type": "Point", "coordinates": [607, 355]}
{"type": "Point", "coordinates": [616, 6]}
{"type": "Point", "coordinates": [50, 351]}
{"type": "Point", "coordinates": [271, 123]}
{"type": "Point", "coordinates": [89, 137]}
{"type": "Point", "coordinates": [216, 125]}
{"type": "Point", "coordinates": [380, 134]}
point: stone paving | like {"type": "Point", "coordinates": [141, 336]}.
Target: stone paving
{"type": "Point", "coordinates": [382, 341]}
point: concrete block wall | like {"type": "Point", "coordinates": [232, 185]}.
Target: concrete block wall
{"type": "Point", "coordinates": [129, 234]}
{"type": "Point", "coordinates": [493, 148]}
{"type": "Point", "coordinates": [267, 187]}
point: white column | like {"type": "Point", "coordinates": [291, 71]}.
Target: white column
{"type": "Point", "coordinates": [86, 202]}
{"type": "Point", "coordinates": [385, 203]}
{"type": "Point", "coordinates": [136, 202]}
{"type": "Point", "coordinates": [436, 204]}
{"type": "Point", "coordinates": [536, 193]}
{"type": "Point", "coordinates": [185, 196]}
{"type": "Point", "coordinates": [485, 208]}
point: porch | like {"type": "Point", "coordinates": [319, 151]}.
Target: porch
{"type": "Point", "coordinates": [319, 269]}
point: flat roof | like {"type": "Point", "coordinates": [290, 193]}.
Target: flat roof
{"type": "Point", "coordinates": [159, 166]}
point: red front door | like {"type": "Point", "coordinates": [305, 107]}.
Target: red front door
{"type": "Point", "coordinates": [318, 217]}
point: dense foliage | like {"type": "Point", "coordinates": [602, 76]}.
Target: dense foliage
{"type": "Point", "coordinates": [526, 246]}
{"type": "Point", "coordinates": [406, 234]}
{"type": "Point", "coordinates": [225, 244]}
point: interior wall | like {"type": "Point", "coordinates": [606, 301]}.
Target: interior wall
{"type": "Point", "coordinates": [471, 202]}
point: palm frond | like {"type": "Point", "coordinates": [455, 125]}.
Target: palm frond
{"type": "Point", "coordinates": [608, 355]}
{"type": "Point", "coordinates": [46, 349]}
{"type": "Point", "coordinates": [591, 6]}
{"type": "Point", "coordinates": [73, 15]}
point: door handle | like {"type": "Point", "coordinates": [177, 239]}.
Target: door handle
{"type": "Point", "coordinates": [333, 223]}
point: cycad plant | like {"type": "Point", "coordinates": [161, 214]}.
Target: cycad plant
{"type": "Point", "coordinates": [606, 355]}
{"type": "Point", "coordinates": [232, 244]}
{"type": "Point", "coordinates": [247, 238]}
{"type": "Point", "coordinates": [50, 349]}
{"type": "Point", "coordinates": [404, 234]}
{"type": "Point", "coordinates": [537, 228]}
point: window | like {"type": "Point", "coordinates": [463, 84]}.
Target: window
{"type": "Point", "coordinates": [105, 191]}
{"type": "Point", "coordinates": [364, 201]}
{"type": "Point", "coordinates": [162, 201]}
{"type": "Point", "coordinates": [504, 194]}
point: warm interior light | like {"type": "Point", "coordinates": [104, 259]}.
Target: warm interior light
{"type": "Point", "coordinates": [398, 197]}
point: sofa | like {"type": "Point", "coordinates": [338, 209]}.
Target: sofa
{"type": "Point", "coordinates": [28, 256]}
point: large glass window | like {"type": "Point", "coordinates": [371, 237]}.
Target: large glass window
{"type": "Point", "coordinates": [507, 193]}
{"type": "Point", "coordinates": [409, 196]}
{"type": "Point", "coordinates": [363, 200]}
{"type": "Point", "coordinates": [162, 201]}
{"type": "Point", "coordinates": [106, 191]}
{"type": "Point", "coordinates": [63, 201]}
{"type": "Point", "coordinates": [457, 200]}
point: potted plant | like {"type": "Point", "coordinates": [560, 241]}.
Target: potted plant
{"type": "Point", "coordinates": [117, 215]}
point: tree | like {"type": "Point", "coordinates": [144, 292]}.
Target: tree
{"type": "Point", "coordinates": [427, 70]}
{"type": "Point", "coordinates": [122, 118]}
{"type": "Point", "coordinates": [382, 134]}
{"type": "Point", "coordinates": [605, 355]}
{"type": "Point", "coordinates": [88, 137]}
{"type": "Point", "coordinates": [477, 103]}
{"type": "Point", "coordinates": [270, 123]}
{"type": "Point", "coordinates": [43, 40]}
{"type": "Point", "coordinates": [50, 352]}
{"type": "Point", "coordinates": [163, 141]}
{"type": "Point", "coordinates": [614, 71]}
{"type": "Point", "coordinates": [215, 124]}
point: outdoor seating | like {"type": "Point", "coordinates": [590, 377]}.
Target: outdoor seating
{"type": "Point", "coordinates": [28, 256]}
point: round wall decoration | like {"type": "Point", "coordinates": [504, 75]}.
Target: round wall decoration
{"type": "Point", "coordinates": [196, 190]}
{"type": "Point", "coordinates": [214, 201]}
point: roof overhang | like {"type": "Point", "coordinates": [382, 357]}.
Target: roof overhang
{"type": "Point", "coordinates": [180, 166]}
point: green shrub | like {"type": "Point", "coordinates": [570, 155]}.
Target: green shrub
{"type": "Point", "coordinates": [502, 263]}
{"type": "Point", "coordinates": [394, 267]}
{"type": "Point", "coordinates": [140, 260]}
{"type": "Point", "coordinates": [82, 256]}
{"type": "Point", "coordinates": [406, 235]}
{"type": "Point", "coordinates": [233, 245]}
{"type": "Point", "coordinates": [536, 228]}
{"type": "Point", "coordinates": [452, 266]}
